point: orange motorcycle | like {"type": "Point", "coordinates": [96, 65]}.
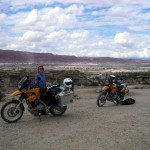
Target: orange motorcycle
{"type": "Point", "coordinates": [52, 100]}
{"type": "Point", "coordinates": [112, 92]}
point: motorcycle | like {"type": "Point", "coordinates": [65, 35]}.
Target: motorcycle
{"type": "Point", "coordinates": [53, 99]}
{"type": "Point", "coordinates": [112, 92]}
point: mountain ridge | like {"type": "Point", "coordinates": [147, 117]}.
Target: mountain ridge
{"type": "Point", "coordinates": [12, 56]}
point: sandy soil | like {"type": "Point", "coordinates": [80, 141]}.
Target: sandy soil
{"type": "Point", "coordinates": [84, 126]}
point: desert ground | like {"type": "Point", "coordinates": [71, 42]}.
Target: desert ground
{"type": "Point", "coordinates": [84, 126]}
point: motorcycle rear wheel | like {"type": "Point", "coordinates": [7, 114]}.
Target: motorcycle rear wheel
{"type": "Point", "coordinates": [101, 100]}
{"type": "Point", "coordinates": [9, 112]}
{"type": "Point", "coordinates": [58, 111]}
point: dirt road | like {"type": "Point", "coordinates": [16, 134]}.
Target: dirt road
{"type": "Point", "coordinates": [84, 126]}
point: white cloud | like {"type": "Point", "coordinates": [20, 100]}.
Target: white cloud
{"type": "Point", "coordinates": [75, 9]}
{"type": "Point", "coordinates": [122, 38]}
{"type": "Point", "coordinates": [90, 28]}
{"type": "Point", "coordinates": [80, 35]}
{"type": "Point", "coordinates": [13, 46]}
{"type": "Point", "coordinates": [144, 53]}
{"type": "Point", "coordinates": [32, 18]}
{"type": "Point", "coordinates": [119, 11]}
{"type": "Point", "coordinates": [2, 17]}
{"type": "Point", "coordinates": [31, 36]}
{"type": "Point", "coordinates": [129, 45]}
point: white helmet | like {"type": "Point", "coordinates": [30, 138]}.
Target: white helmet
{"type": "Point", "coordinates": [67, 82]}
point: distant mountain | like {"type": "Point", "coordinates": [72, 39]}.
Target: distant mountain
{"type": "Point", "coordinates": [11, 56]}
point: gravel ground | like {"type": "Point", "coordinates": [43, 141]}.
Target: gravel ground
{"type": "Point", "coordinates": [84, 126]}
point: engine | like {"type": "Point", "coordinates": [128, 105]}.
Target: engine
{"type": "Point", "coordinates": [110, 97]}
{"type": "Point", "coordinates": [39, 107]}
{"type": "Point", "coordinates": [35, 108]}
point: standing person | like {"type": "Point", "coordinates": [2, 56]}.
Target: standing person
{"type": "Point", "coordinates": [40, 78]}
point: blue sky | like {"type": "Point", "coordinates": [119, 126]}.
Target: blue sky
{"type": "Point", "coordinates": [95, 28]}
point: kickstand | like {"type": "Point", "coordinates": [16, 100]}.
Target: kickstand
{"type": "Point", "coordinates": [40, 117]}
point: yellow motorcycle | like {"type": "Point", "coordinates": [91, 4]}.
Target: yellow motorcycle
{"type": "Point", "coordinates": [113, 93]}
{"type": "Point", "coordinates": [53, 99]}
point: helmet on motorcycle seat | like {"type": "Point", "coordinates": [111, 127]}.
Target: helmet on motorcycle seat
{"type": "Point", "coordinates": [111, 79]}
{"type": "Point", "coordinates": [67, 82]}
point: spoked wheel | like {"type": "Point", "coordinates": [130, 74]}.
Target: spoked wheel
{"type": "Point", "coordinates": [58, 111]}
{"type": "Point", "coordinates": [101, 100]}
{"type": "Point", "coordinates": [10, 112]}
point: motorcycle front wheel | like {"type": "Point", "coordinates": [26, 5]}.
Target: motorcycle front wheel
{"type": "Point", "coordinates": [9, 113]}
{"type": "Point", "coordinates": [101, 100]}
{"type": "Point", "coordinates": [58, 111]}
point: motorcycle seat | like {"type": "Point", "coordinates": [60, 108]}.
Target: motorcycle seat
{"type": "Point", "coordinates": [55, 86]}
{"type": "Point", "coordinates": [43, 89]}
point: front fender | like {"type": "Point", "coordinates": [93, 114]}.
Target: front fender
{"type": "Point", "coordinates": [104, 92]}
{"type": "Point", "coordinates": [105, 88]}
{"type": "Point", "coordinates": [17, 92]}
{"type": "Point", "coordinates": [17, 102]}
